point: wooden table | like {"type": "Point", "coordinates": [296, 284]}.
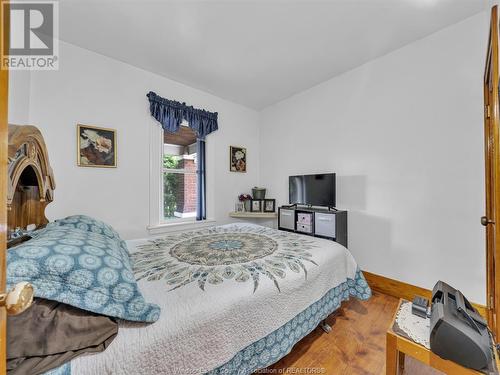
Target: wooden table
{"type": "Point", "coordinates": [397, 347]}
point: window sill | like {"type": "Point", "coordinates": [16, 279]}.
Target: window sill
{"type": "Point", "coordinates": [179, 226]}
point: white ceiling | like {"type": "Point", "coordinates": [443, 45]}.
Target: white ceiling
{"type": "Point", "coordinates": [255, 53]}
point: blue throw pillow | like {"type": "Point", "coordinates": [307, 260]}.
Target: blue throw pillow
{"type": "Point", "coordinates": [84, 269]}
{"type": "Point", "coordinates": [87, 223]}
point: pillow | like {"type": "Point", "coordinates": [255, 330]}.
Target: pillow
{"type": "Point", "coordinates": [50, 333]}
{"type": "Point", "coordinates": [84, 269]}
{"type": "Point", "coordinates": [87, 223]}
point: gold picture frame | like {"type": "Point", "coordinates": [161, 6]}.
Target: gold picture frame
{"type": "Point", "coordinates": [237, 159]}
{"type": "Point", "coordinates": [96, 146]}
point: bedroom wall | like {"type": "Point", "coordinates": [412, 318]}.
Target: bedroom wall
{"type": "Point", "coordinates": [404, 133]}
{"type": "Point", "coordinates": [19, 97]}
{"type": "Point", "coordinates": [95, 90]}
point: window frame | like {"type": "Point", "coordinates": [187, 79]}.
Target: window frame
{"type": "Point", "coordinates": [157, 224]}
{"type": "Point", "coordinates": [162, 203]}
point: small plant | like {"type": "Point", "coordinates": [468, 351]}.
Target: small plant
{"type": "Point", "coordinates": [244, 197]}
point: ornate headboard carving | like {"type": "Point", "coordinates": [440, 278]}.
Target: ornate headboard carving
{"type": "Point", "coordinates": [31, 180]}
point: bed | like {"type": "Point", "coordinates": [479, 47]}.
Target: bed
{"type": "Point", "coordinates": [234, 298]}
{"type": "Point", "coordinates": [227, 299]}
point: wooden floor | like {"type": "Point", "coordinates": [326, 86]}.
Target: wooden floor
{"type": "Point", "coordinates": [356, 344]}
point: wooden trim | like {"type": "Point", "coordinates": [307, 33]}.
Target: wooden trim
{"type": "Point", "coordinates": [492, 173]}
{"type": "Point", "coordinates": [391, 354]}
{"type": "Point", "coordinates": [403, 290]}
{"type": "Point", "coordinates": [4, 106]}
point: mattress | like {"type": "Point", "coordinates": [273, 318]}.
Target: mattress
{"type": "Point", "coordinates": [232, 297]}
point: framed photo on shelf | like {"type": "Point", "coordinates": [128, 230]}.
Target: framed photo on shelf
{"type": "Point", "coordinates": [269, 205]}
{"type": "Point", "coordinates": [256, 205]}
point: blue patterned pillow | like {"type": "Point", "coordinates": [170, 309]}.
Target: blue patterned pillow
{"type": "Point", "coordinates": [87, 223]}
{"type": "Point", "coordinates": [90, 224]}
{"type": "Point", "coordinates": [81, 268]}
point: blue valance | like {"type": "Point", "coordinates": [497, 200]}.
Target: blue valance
{"type": "Point", "coordinates": [170, 114]}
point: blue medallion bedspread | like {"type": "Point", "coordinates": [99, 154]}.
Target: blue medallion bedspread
{"type": "Point", "coordinates": [279, 343]}
{"type": "Point", "coordinates": [233, 299]}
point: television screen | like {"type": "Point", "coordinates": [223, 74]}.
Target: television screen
{"type": "Point", "coordinates": [313, 189]}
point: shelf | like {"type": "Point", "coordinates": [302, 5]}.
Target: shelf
{"type": "Point", "coordinates": [254, 215]}
{"type": "Point", "coordinates": [330, 225]}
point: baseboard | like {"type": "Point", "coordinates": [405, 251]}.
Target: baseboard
{"type": "Point", "coordinates": [400, 289]}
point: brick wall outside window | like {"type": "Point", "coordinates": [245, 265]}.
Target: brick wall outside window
{"type": "Point", "coordinates": [186, 193]}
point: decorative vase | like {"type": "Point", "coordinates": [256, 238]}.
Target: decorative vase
{"type": "Point", "coordinates": [259, 193]}
{"type": "Point", "coordinates": [239, 207]}
{"type": "Point", "coordinates": [247, 205]}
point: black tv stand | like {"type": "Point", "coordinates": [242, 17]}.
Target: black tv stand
{"type": "Point", "coordinates": [325, 222]}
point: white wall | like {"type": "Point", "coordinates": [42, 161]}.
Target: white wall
{"type": "Point", "coordinates": [19, 97]}
{"type": "Point", "coordinates": [95, 90]}
{"type": "Point", "coordinates": [404, 133]}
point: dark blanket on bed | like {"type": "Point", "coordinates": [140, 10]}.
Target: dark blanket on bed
{"type": "Point", "coordinates": [50, 333]}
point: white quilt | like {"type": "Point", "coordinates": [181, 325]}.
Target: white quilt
{"type": "Point", "coordinates": [213, 303]}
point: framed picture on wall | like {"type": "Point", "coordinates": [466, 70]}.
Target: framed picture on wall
{"type": "Point", "coordinates": [237, 159]}
{"type": "Point", "coordinates": [269, 205]}
{"type": "Point", "coordinates": [256, 205]}
{"type": "Point", "coordinates": [96, 146]}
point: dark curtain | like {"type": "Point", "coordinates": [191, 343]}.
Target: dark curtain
{"type": "Point", "coordinates": [170, 114]}
{"type": "Point", "coordinates": [201, 206]}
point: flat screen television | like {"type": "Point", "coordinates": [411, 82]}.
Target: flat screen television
{"type": "Point", "coordinates": [312, 189]}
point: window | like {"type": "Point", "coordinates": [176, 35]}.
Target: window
{"type": "Point", "coordinates": [180, 163]}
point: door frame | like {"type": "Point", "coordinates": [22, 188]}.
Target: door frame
{"type": "Point", "coordinates": [492, 174]}
{"type": "Point", "coordinates": [4, 135]}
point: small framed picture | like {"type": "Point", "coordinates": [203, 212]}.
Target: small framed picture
{"type": "Point", "coordinates": [269, 205]}
{"type": "Point", "coordinates": [96, 146]}
{"type": "Point", "coordinates": [239, 207]}
{"type": "Point", "coordinates": [237, 159]}
{"type": "Point", "coordinates": [256, 205]}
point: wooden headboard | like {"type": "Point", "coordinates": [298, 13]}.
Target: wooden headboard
{"type": "Point", "coordinates": [30, 178]}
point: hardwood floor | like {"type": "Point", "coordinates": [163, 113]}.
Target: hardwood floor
{"type": "Point", "coordinates": [356, 344]}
